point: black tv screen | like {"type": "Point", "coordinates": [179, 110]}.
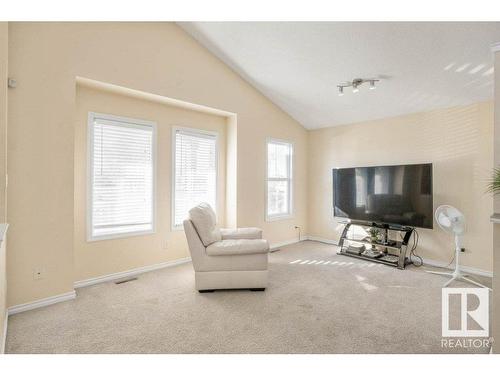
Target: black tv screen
{"type": "Point", "coordinates": [396, 194]}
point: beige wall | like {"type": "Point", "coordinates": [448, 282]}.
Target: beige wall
{"type": "Point", "coordinates": [496, 227]}
{"type": "Point", "coordinates": [3, 170]}
{"type": "Point", "coordinates": [459, 143]}
{"type": "Point", "coordinates": [109, 256]}
{"type": "Point", "coordinates": [4, 48]}
{"type": "Point", "coordinates": [158, 58]}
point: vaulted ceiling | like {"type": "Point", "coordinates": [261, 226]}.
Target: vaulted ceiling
{"type": "Point", "coordinates": [422, 66]}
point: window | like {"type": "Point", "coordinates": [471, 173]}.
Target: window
{"type": "Point", "coordinates": [279, 180]}
{"type": "Point", "coordinates": [195, 171]}
{"type": "Point", "coordinates": [121, 177]}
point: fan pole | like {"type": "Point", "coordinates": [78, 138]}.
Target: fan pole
{"type": "Point", "coordinates": [457, 273]}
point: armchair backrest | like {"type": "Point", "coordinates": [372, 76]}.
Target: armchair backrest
{"type": "Point", "coordinates": [203, 218]}
{"type": "Point", "coordinates": [196, 247]}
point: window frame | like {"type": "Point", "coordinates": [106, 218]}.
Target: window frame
{"type": "Point", "coordinates": [131, 122]}
{"type": "Point", "coordinates": [290, 214]}
{"type": "Point", "coordinates": [195, 132]}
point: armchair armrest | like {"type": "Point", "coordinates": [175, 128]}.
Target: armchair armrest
{"type": "Point", "coordinates": [238, 247]}
{"type": "Point", "coordinates": [241, 234]}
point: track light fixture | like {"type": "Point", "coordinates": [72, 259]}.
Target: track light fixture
{"type": "Point", "coordinates": [356, 83]}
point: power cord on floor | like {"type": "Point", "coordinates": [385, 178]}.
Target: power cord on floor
{"type": "Point", "coordinates": [413, 250]}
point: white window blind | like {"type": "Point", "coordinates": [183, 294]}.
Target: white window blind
{"type": "Point", "coordinates": [195, 175]}
{"type": "Point", "coordinates": [121, 176]}
{"type": "Point", "coordinates": [279, 179]}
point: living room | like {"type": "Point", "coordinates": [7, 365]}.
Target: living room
{"type": "Point", "coordinates": [314, 200]}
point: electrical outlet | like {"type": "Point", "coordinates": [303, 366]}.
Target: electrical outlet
{"type": "Point", "coordinates": [38, 273]}
{"type": "Point", "coordinates": [300, 236]}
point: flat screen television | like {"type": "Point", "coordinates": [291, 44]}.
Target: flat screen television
{"type": "Point", "coordinates": [386, 195]}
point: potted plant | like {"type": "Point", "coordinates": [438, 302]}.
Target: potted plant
{"type": "Point", "coordinates": [374, 234]}
{"type": "Point", "coordinates": [374, 237]}
{"type": "Point", "coordinates": [494, 185]}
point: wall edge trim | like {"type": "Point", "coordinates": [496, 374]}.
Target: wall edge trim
{"type": "Point", "coordinates": [467, 269]}
{"type": "Point", "coordinates": [321, 239]}
{"type": "Point", "coordinates": [129, 273]}
{"type": "Point", "coordinates": [41, 303]}
{"type": "Point", "coordinates": [277, 245]}
{"type": "Point", "coordinates": [427, 261]}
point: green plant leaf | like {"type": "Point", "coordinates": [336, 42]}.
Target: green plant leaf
{"type": "Point", "coordinates": [494, 184]}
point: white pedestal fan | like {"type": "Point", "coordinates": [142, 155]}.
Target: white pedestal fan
{"type": "Point", "coordinates": [452, 221]}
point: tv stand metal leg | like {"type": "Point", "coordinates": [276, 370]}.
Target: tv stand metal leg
{"type": "Point", "coordinates": [344, 235]}
{"type": "Point", "coordinates": [402, 257]}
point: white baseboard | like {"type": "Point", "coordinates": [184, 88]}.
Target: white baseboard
{"type": "Point", "coordinates": [129, 273]}
{"type": "Point", "coordinates": [302, 238]}
{"type": "Point", "coordinates": [79, 284]}
{"type": "Point", "coordinates": [427, 262]}
{"type": "Point", "coordinates": [324, 240]}
{"type": "Point", "coordinates": [471, 270]}
{"type": "Point", "coordinates": [4, 337]}
{"type": "Point", "coordinates": [277, 245]}
{"type": "Point", "coordinates": [41, 303]}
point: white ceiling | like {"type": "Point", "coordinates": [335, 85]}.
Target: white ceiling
{"type": "Point", "coordinates": [423, 66]}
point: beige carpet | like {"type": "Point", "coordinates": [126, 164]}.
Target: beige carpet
{"type": "Point", "coordinates": [341, 305]}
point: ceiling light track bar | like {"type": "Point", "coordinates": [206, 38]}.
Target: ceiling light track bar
{"type": "Point", "coordinates": [356, 83]}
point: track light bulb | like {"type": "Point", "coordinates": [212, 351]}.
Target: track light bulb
{"type": "Point", "coordinates": [372, 85]}
{"type": "Point", "coordinates": [341, 91]}
{"type": "Point", "coordinates": [355, 89]}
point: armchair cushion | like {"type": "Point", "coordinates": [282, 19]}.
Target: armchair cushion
{"type": "Point", "coordinates": [238, 247]}
{"type": "Point", "coordinates": [241, 233]}
{"type": "Point", "coordinates": [203, 218]}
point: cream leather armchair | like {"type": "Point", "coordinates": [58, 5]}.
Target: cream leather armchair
{"type": "Point", "coordinates": [225, 258]}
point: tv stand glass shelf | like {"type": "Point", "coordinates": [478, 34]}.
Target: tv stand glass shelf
{"type": "Point", "coordinates": [383, 250]}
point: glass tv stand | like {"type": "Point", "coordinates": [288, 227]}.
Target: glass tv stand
{"type": "Point", "coordinates": [389, 252]}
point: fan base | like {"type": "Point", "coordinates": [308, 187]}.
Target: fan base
{"type": "Point", "coordinates": [459, 276]}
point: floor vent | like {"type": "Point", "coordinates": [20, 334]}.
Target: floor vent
{"type": "Point", "coordinates": [125, 280]}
